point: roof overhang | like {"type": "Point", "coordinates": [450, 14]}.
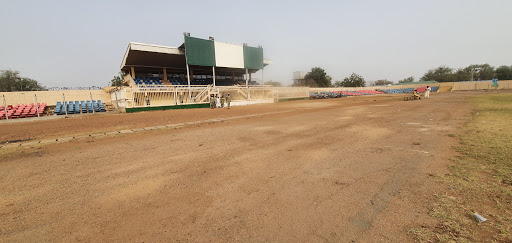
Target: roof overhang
{"type": "Point", "coordinates": [148, 57]}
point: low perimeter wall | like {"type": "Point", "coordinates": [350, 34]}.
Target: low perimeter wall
{"type": "Point", "coordinates": [453, 86]}
{"type": "Point", "coordinates": [52, 97]}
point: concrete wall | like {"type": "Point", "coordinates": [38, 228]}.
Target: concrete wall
{"type": "Point", "coordinates": [51, 97]}
{"type": "Point", "coordinates": [455, 86]}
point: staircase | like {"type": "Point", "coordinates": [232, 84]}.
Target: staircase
{"type": "Point", "coordinates": [204, 94]}
{"type": "Point", "coordinates": [241, 91]}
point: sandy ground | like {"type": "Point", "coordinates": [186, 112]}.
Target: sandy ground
{"type": "Point", "coordinates": [355, 169]}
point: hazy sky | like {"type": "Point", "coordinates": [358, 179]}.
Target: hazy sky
{"type": "Point", "coordinates": [82, 43]}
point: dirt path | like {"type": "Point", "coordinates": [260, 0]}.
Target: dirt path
{"type": "Point", "coordinates": [341, 170]}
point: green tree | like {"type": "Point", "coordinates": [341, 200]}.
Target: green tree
{"type": "Point", "coordinates": [383, 82]}
{"type": "Point", "coordinates": [11, 81]}
{"type": "Point", "coordinates": [440, 74]}
{"type": "Point", "coordinates": [480, 72]}
{"type": "Point", "coordinates": [504, 73]}
{"type": "Point", "coordinates": [118, 80]}
{"type": "Point", "coordinates": [319, 76]}
{"type": "Point", "coordinates": [354, 80]}
{"type": "Point", "coordinates": [407, 80]}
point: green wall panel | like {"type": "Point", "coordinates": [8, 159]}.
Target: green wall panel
{"type": "Point", "coordinates": [253, 57]}
{"type": "Point", "coordinates": [199, 52]}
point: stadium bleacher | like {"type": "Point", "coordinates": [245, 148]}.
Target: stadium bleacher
{"type": "Point", "coordinates": [409, 90]}
{"type": "Point", "coordinates": [21, 111]}
{"type": "Point", "coordinates": [78, 107]}
{"type": "Point", "coordinates": [174, 80]}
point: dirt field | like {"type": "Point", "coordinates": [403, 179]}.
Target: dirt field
{"type": "Point", "coordinates": [356, 169]}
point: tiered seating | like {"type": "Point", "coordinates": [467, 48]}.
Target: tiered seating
{"type": "Point", "coordinates": [71, 108]}
{"type": "Point", "coordinates": [147, 81]}
{"type": "Point", "coordinates": [21, 111]}
{"type": "Point", "coordinates": [368, 92]}
{"type": "Point", "coordinates": [398, 91]}
{"type": "Point", "coordinates": [177, 81]}
{"type": "Point", "coordinates": [89, 106]}
{"type": "Point", "coordinates": [78, 107]}
{"type": "Point", "coordinates": [409, 90]}
{"type": "Point", "coordinates": [95, 106]}
{"type": "Point", "coordinates": [102, 107]}
{"type": "Point", "coordinates": [351, 93]}
{"type": "Point", "coordinates": [84, 108]}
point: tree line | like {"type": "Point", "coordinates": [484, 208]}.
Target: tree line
{"type": "Point", "coordinates": [11, 81]}
{"type": "Point", "coordinates": [317, 77]}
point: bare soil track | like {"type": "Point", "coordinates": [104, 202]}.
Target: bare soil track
{"type": "Point", "coordinates": [355, 169]}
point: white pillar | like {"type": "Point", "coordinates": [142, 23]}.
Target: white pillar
{"type": "Point", "coordinates": [246, 78]}
{"type": "Point", "coordinates": [188, 79]}
{"type": "Point", "coordinates": [262, 81]}
{"type": "Point", "coordinates": [213, 76]}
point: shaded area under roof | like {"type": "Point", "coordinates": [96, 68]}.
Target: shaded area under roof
{"type": "Point", "coordinates": [153, 58]}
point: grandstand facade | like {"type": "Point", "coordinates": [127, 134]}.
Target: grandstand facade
{"type": "Point", "coordinates": [190, 74]}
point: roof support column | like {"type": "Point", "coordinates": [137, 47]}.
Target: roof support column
{"type": "Point", "coordinates": [188, 79]}
{"type": "Point", "coordinates": [213, 76]}
{"type": "Point", "coordinates": [247, 78]}
{"type": "Point", "coordinates": [262, 81]}
{"type": "Point", "coordinates": [133, 72]}
{"type": "Point", "coordinates": [165, 74]}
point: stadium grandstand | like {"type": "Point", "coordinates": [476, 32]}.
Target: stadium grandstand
{"type": "Point", "coordinates": [161, 76]}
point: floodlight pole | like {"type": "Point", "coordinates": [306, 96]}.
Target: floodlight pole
{"type": "Point", "coordinates": [5, 108]}
{"type": "Point", "coordinates": [213, 67]}
{"type": "Point", "coordinates": [37, 106]}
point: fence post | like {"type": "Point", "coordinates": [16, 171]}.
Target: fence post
{"type": "Point", "coordinates": [5, 109]}
{"type": "Point", "coordinates": [65, 105]}
{"type": "Point", "coordinates": [37, 106]}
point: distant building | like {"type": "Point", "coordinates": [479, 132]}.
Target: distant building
{"type": "Point", "coordinates": [298, 78]}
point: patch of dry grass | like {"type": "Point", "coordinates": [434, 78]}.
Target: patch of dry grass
{"type": "Point", "coordinates": [480, 181]}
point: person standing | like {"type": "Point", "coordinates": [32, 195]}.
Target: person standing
{"type": "Point", "coordinates": [427, 92]}
{"type": "Point", "coordinates": [228, 100]}
{"type": "Point", "coordinates": [222, 100]}
{"type": "Point", "coordinates": [217, 101]}
{"type": "Point", "coordinates": [212, 101]}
